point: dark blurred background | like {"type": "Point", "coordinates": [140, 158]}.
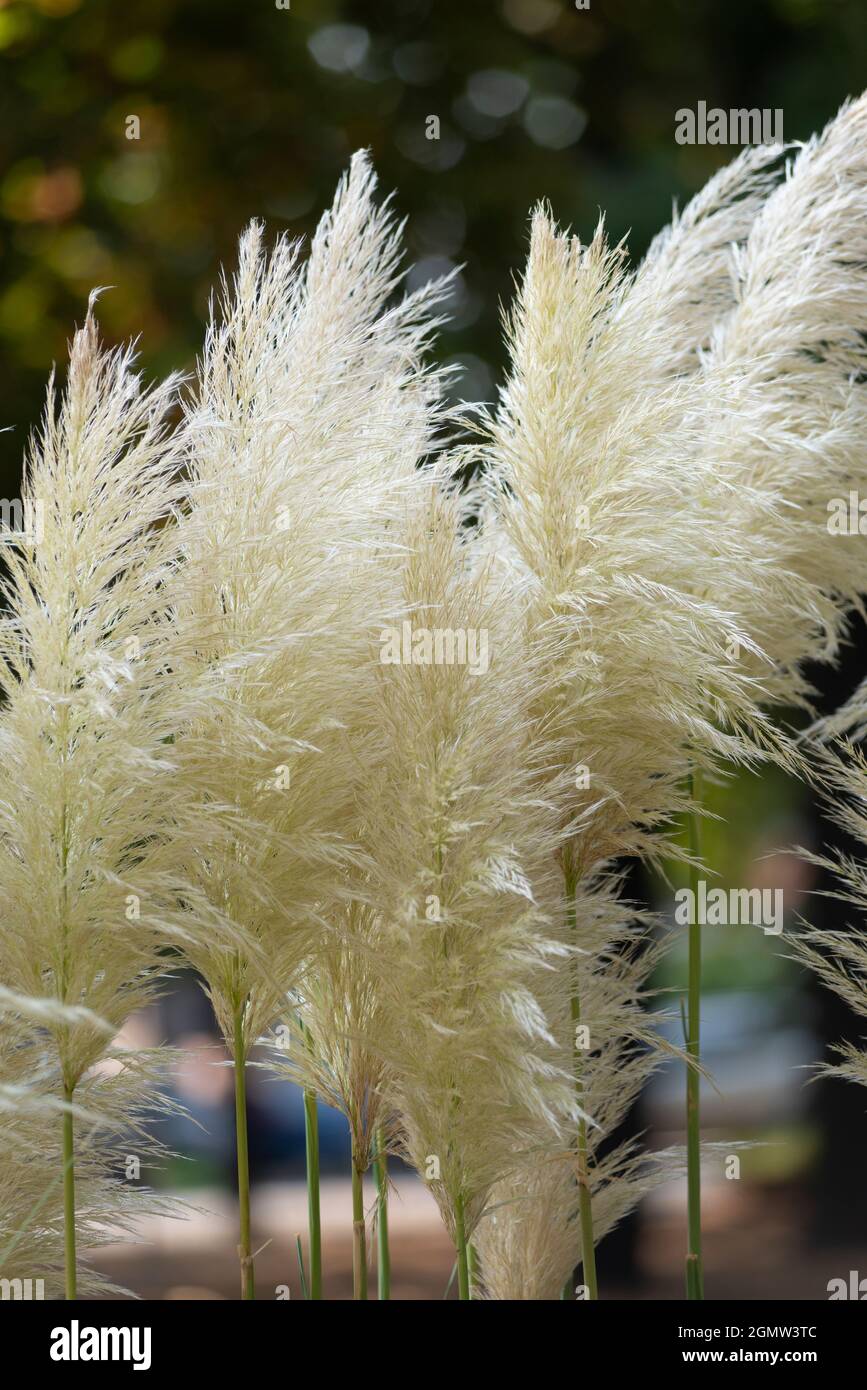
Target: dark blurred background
{"type": "Point", "coordinates": [251, 108]}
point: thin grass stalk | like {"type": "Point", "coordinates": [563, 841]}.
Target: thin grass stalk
{"type": "Point", "coordinates": [245, 1254]}
{"type": "Point", "coordinates": [93, 687]}
{"type": "Point", "coordinates": [460, 1225]}
{"type": "Point", "coordinates": [68, 1146]}
{"type": "Point", "coordinates": [473, 1268]}
{"type": "Point", "coordinates": [383, 1254]}
{"type": "Point", "coordinates": [311, 1144]}
{"type": "Point", "coordinates": [694, 1267]}
{"type": "Point", "coordinates": [462, 1252]}
{"type": "Point", "coordinates": [69, 1257]}
{"type": "Point", "coordinates": [585, 1195]}
{"type": "Point", "coordinates": [359, 1236]}
{"type": "Point", "coordinates": [314, 1224]}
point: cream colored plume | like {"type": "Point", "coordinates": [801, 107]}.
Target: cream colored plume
{"type": "Point", "coordinates": [311, 412]}
{"type": "Point", "coordinates": [331, 1042]}
{"type": "Point", "coordinates": [115, 1106]}
{"type": "Point", "coordinates": [530, 1243]}
{"type": "Point", "coordinates": [790, 356]}
{"type": "Point", "coordinates": [593, 478]}
{"type": "Point", "coordinates": [31, 1192]}
{"type": "Point", "coordinates": [593, 463]}
{"type": "Point", "coordinates": [95, 829]}
{"type": "Point", "coordinates": [797, 335]}
{"type": "Point", "coordinates": [685, 284]}
{"type": "Point", "coordinates": [461, 876]}
{"type": "Point", "coordinates": [839, 956]}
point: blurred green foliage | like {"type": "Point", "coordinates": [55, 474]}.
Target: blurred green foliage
{"type": "Point", "coordinates": [754, 821]}
{"type": "Point", "coordinates": [251, 108]}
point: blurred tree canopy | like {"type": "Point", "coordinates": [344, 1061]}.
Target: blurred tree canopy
{"type": "Point", "coordinates": [250, 108]}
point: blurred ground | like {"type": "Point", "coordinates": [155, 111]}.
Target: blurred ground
{"type": "Point", "coordinates": [753, 1246]}
{"type": "Point", "coordinates": [177, 1254]}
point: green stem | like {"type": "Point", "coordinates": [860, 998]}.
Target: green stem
{"type": "Point", "coordinates": [311, 1135]}
{"type": "Point", "coordinates": [69, 1200]}
{"type": "Point", "coordinates": [585, 1208]}
{"type": "Point", "coordinates": [460, 1229]}
{"type": "Point", "coordinates": [245, 1254]}
{"type": "Point", "coordinates": [694, 1267]}
{"type": "Point", "coordinates": [472, 1267]}
{"type": "Point", "coordinates": [68, 1145]}
{"type": "Point", "coordinates": [461, 1249]}
{"type": "Point", "coordinates": [383, 1263]}
{"type": "Point", "coordinates": [585, 1194]}
{"type": "Point", "coordinates": [359, 1237]}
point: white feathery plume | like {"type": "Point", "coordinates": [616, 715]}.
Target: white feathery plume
{"type": "Point", "coordinates": [839, 957]}
{"type": "Point", "coordinates": [462, 878]}
{"type": "Point", "coordinates": [94, 826]}
{"type": "Point", "coordinates": [531, 1241]}
{"type": "Point", "coordinates": [775, 329]}
{"type": "Point", "coordinates": [31, 1172]}
{"type": "Point", "coordinates": [685, 284]}
{"type": "Point", "coordinates": [596, 477]}
{"type": "Point", "coordinates": [593, 469]}
{"type": "Point", "coordinates": [310, 415]}
{"type": "Point", "coordinates": [785, 411]}
{"type": "Point", "coordinates": [115, 1107]}
{"type": "Point", "coordinates": [794, 348]}
{"type": "Point", "coordinates": [331, 1046]}
{"type": "Point", "coordinates": [790, 357]}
